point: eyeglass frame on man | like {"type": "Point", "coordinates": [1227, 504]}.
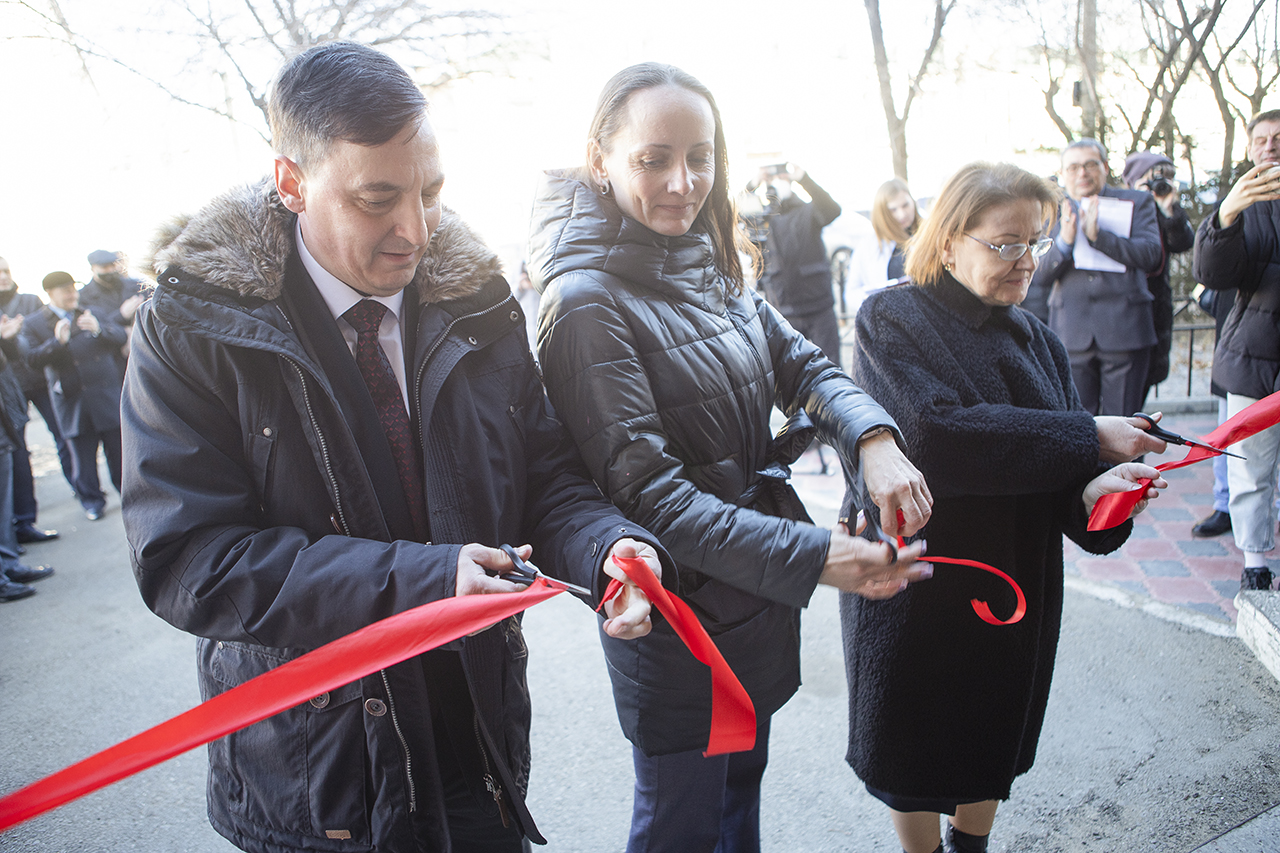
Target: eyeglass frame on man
{"type": "Point", "coordinates": [1043, 245]}
{"type": "Point", "coordinates": [1090, 165]}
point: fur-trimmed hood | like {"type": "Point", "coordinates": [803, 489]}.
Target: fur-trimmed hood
{"type": "Point", "coordinates": [242, 240]}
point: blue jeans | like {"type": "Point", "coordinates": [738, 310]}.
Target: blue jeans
{"type": "Point", "coordinates": [1252, 482]}
{"type": "Point", "coordinates": [685, 803]}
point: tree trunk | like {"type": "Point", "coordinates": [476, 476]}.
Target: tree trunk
{"type": "Point", "coordinates": [1089, 63]}
{"type": "Point", "coordinates": [896, 126]}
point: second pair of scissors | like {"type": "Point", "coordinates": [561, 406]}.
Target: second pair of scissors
{"type": "Point", "coordinates": [1174, 438]}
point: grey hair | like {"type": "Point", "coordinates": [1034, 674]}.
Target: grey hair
{"type": "Point", "coordinates": [1089, 142]}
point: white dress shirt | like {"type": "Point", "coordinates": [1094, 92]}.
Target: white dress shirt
{"type": "Point", "coordinates": [340, 297]}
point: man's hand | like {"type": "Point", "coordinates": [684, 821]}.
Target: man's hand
{"type": "Point", "coordinates": [1257, 184]}
{"type": "Point", "coordinates": [476, 566]}
{"type": "Point", "coordinates": [89, 323]}
{"type": "Point", "coordinates": [1124, 478]}
{"type": "Point", "coordinates": [1089, 222]}
{"type": "Point", "coordinates": [129, 307]}
{"type": "Point", "coordinates": [629, 610]}
{"type": "Point", "coordinates": [1123, 439]}
{"type": "Point", "coordinates": [1067, 230]}
{"type": "Point", "coordinates": [1167, 202]}
{"type": "Point", "coordinates": [894, 484]}
{"type": "Point", "coordinates": [856, 565]}
{"type": "Point", "coordinates": [62, 331]}
{"type": "Point", "coordinates": [10, 326]}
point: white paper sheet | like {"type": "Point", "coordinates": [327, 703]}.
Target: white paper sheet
{"type": "Point", "coordinates": [1115, 215]}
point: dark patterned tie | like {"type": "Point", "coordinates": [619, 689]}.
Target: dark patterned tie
{"type": "Point", "coordinates": [366, 318]}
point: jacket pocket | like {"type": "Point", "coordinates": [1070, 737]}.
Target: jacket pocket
{"type": "Point", "coordinates": [301, 773]}
{"type": "Point", "coordinates": [261, 445]}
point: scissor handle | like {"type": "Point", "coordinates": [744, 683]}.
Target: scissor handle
{"type": "Point", "coordinates": [523, 573]}
{"type": "Point", "coordinates": [1158, 432]}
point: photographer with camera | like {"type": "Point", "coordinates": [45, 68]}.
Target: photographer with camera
{"type": "Point", "coordinates": [1149, 171]}
{"type": "Point", "coordinates": [797, 275]}
{"type": "Point", "coordinates": [1238, 246]}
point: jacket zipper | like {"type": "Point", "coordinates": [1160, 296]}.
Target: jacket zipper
{"type": "Point", "coordinates": [404, 744]}
{"type": "Point", "coordinates": [346, 531]}
{"type": "Point", "coordinates": [489, 782]}
{"type": "Point", "coordinates": [422, 368]}
{"type": "Point", "coordinates": [324, 446]}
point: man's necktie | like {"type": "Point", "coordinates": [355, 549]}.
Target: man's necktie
{"type": "Point", "coordinates": [366, 318]}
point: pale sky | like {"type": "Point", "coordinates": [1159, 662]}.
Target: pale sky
{"type": "Point", "coordinates": [101, 164]}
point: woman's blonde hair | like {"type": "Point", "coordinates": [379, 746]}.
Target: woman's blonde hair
{"type": "Point", "coordinates": [963, 200]}
{"type": "Point", "coordinates": [886, 227]}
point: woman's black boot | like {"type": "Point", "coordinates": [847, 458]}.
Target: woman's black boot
{"type": "Point", "coordinates": [963, 842]}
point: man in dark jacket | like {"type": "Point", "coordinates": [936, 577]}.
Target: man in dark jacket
{"type": "Point", "coordinates": [80, 355]}
{"type": "Point", "coordinates": [299, 469]}
{"type": "Point", "coordinates": [19, 306]}
{"type": "Point", "coordinates": [111, 293]}
{"type": "Point", "coordinates": [797, 274]}
{"type": "Point", "coordinates": [1238, 246]}
{"type": "Point", "coordinates": [1106, 242]}
{"type": "Point", "coordinates": [15, 578]}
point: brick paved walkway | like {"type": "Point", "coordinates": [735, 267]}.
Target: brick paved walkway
{"type": "Point", "coordinates": [1160, 563]}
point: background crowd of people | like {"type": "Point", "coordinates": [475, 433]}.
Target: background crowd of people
{"type": "Point", "coordinates": [66, 358]}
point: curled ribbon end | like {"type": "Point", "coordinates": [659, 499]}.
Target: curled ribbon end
{"type": "Point", "coordinates": [985, 614]}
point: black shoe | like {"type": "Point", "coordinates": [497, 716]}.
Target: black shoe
{"type": "Point", "coordinates": [26, 574]}
{"type": "Point", "coordinates": [10, 591]}
{"type": "Point", "coordinates": [1216, 524]}
{"type": "Point", "coordinates": [30, 533]}
{"type": "Point", "coordinates": [1256, 579]}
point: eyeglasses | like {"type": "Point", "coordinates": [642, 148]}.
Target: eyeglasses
{"type": "Point", "coordinates": [1087, 165]}
{"type": "Point", "coordinates": [1013, 251]}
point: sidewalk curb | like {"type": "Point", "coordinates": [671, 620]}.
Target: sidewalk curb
{"type": "Point", "coordinates": [1258, 625]}
{"type": "Point", "coordinates": [1167, 612]}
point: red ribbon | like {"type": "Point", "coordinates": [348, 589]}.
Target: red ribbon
{"type": "Point", "coordinates": [1115, 508]}
{"type": "Point", "coordinates": [377, 646]}
{"type": "Point", "coordinates": [980, 607]}
{"type": "Point", "coordinates": [733, 717]}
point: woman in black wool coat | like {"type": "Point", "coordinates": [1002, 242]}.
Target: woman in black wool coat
{"type": "Point", "coordinates": [945, 709]}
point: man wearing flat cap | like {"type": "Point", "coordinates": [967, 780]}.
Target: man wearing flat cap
{"type": "Point", "coordinates": [79, 351]}
{"type": "Point", "coordinates": [111, 293]}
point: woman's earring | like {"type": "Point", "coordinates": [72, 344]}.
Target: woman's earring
{"type": "Point", "coordinates": [606, 188]}
{"type": "Point", "coordinates": [947, 267]}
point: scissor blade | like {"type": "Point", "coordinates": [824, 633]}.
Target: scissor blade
{"type": "Point", "coordinates": [579, 591]}
{"type": "Point", "coordinates": [1211, 447]}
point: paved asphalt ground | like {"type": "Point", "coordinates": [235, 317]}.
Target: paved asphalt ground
{"type": "Point", "coordinates": [1160, 736]}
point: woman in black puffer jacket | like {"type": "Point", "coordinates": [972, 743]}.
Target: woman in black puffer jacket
{"type": "Point", "coordinates": [666, 372]}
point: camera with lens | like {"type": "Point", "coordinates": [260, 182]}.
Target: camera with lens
{"type": "Point", "coordinates": [1159, 186]}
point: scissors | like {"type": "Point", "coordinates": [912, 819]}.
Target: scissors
{"type": "Point", "coordinates": [527, 573]}
{"type": "Point", "coordinates": [872, 530]}
{"type": "Point", "coordinates": [1174, 438]}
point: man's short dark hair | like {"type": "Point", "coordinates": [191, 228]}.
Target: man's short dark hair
{"type": "Point", "coordinates": [339, 91]}
{"type": "Point", "coordinates": [1269, 115]}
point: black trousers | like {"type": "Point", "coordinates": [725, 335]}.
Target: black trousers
{"type": "Point", "coordinates": [84, 453]}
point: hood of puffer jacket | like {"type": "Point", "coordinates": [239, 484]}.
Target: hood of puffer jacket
{"type": "Point", "coordinates": [242, 241]}
{"type": "Point", "coordinates": [576, 228]}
